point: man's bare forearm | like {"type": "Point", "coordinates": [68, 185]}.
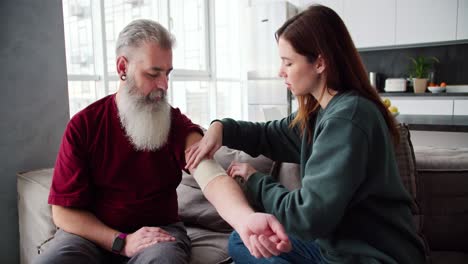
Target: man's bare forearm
{"type": "Point", "coordinates": [228, 199]}
{"type": "Point", "coordinates": [84, 224]}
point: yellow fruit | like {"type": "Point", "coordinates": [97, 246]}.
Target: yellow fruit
{"type": "Point", "coordinates": [387, 102]}
{"type": "Point", "coordinates": [393, 109]}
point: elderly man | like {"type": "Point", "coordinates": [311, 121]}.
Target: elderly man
{"type": "Point", "coordinates": [113, 193]}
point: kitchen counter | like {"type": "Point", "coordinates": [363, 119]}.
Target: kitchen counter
{"type": "Point", "coordinates": [433, 95]}
{"type": "Point", "coordinates": [445, 123]}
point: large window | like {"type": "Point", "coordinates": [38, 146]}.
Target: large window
{"type": "Point", "coordinates": [206, 82]}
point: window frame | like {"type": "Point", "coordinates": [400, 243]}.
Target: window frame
{"type": "Point", "coordinates": [100, 48]}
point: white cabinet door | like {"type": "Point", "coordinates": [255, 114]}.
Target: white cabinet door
{"type": "Point", "coordinates": [460, 107]}
{"type": "Point", "coordinates": [462, 25]}
{"type": "Point", "coordinates": [336, 5]}
{"type": "Point", "coordinates": [423, 107]}
{"type": "Point", "coordinates": [262, 22]}
{"type": "Point", "coordinates": [267, 92]}
{"type": "Point", "coordinates": [371, 23]}
{"type": "Point", "coordinates": [420, 21]}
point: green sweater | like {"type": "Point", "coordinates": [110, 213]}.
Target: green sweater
{"type": "Point", "coordinates": [352, 201]}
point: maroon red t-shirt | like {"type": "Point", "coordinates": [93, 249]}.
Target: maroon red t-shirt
{"type": "Point", "coordinates": [98, 169]}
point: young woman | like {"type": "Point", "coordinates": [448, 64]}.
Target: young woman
{"type": "Point", "coordinates": [352, 206]}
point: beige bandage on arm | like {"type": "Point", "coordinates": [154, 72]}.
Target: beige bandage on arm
{"type": "Point", "coordinates": [206, 171]}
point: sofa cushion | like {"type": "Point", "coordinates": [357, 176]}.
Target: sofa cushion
{"type": "Point", "coordinates": [406, 163]}
{"type": "Point", "coordinates": [288, 174]}
{"type": "Point", "coordinates": [444, 201]}
{"type": "Point", "coordinates": [35, 221]}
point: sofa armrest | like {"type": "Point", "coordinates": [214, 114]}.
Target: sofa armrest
{"type": "Point", "coordinates": [35, 217]}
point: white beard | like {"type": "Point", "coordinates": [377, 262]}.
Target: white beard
{"type": "Point", "coordinates": [146, 120]}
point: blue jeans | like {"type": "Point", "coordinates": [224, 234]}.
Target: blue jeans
{"type": "Point", "coordinates": [302, 252]}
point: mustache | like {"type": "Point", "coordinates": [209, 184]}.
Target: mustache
{"type": "Point", "coordinates": [154, 95]}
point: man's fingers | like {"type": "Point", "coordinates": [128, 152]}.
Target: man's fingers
{"type": "Point", "coordinates": [277, 228]}
{"type": "Point", "coordinates": [153, 229]}
{"type": "Point", "coordinates": [151, 242]}
{"type": "Point", "coordinates": [274, 239]}
{"type": "Point", "coordinates": [253, 246]}
{"type": "Point", "coordinates": [264, 251]}
{"type": "Point", "coordinates": [284, 246]}
{"type": "Point", "coordinates": [269, 245]}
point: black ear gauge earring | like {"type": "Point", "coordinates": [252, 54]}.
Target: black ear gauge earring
{"type": "Point", "coordinates": [123, 77]}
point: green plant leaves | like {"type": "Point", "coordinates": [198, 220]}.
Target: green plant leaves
{"type": "Point", "coordinates": [421, 65]}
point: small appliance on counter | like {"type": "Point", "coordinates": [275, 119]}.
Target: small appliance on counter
{"type": "Point", "coordinates": [463, 88]}
{"type": "Point", "coordinates": [395, 85]}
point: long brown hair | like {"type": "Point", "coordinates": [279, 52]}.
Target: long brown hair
{"type": "Point", "coordinates": [318, 30]}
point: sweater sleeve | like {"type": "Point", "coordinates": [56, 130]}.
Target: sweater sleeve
{"type": "Point", "coordinates": [333, 173]}
{"type": "Point", "coordinates": [273, 139]}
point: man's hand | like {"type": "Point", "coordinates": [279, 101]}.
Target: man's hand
{"type": "Point", "coordinates": [264, 235]}
{"type": "Point", "coordinates": [143, 238]}
{"type": "Point", "coordinates": [243, 170]}
{"type": "Point", "coordinates": [206, 147]}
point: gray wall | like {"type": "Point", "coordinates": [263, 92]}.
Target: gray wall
{"type": "Point", "coordinates": [33, 103]}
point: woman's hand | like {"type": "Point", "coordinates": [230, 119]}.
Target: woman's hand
{"type": "Point", "coordinates": [206, 147]}
{"type": "Point", "coordinates": [243, 170]}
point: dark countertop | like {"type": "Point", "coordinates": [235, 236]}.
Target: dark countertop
{"type": "Point", "coordinates": [446, 123]}
{"type": "Point", "coordinates": [428, 94]}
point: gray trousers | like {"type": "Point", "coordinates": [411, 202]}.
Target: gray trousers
{"type": "Point", "coordinates": [69, 248]}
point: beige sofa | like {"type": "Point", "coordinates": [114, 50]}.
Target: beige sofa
{"type": "Point", "coordinates": [437, 179]}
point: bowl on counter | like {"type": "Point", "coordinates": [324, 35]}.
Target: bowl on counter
{"type": "Point", "coordinates": [436, 89]}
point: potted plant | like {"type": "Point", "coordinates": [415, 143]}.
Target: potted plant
{"type": "Point", "coordinates": [419, 72]}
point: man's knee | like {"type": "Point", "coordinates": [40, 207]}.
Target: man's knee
{"type": "Point", "coordinates": [167, 252]}
{"type": "Point", "coordinates": [164, 252]}
{"type": "Point", "coordinates": [70, 248]}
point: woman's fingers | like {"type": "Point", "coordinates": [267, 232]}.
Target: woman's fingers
{"type": "Point", "coordinates": [195, 157]}
{"type": "Point", "coordinates": [191, 153]}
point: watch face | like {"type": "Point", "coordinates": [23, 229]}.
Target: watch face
{"type": "Point", "coordinates": [118, 244]}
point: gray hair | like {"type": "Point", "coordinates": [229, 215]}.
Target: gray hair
{"type": "Point", "coordinates": [140, 30]}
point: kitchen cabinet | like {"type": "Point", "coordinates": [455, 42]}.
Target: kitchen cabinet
{"type": "Point", "coordinates": [422, 106]}
{"type": "Point", "coordinates": [262, 22]}
{"type": "Point", "coordinates": [400, 22]}
{"type": "Point", "coordinates": [271, 91]}
{"type": "Point", "coordinates": [460, 107]}
{"type": "Point", "coordinates": [336, 5]}
{"type": "Point", "coordinates": [265, 90]}
{"type": "Point", "coordinates": [266, 93]}
{"type": "Point", "coordinates": [371, 23]}
{"type": "Point", "coordinates": [462, 25]}
{"type": "Point", "coordinates": [423, 21]}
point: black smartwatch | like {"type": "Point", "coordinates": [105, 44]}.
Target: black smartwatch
{"type": "Point", "coordinates": [119, 243]}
